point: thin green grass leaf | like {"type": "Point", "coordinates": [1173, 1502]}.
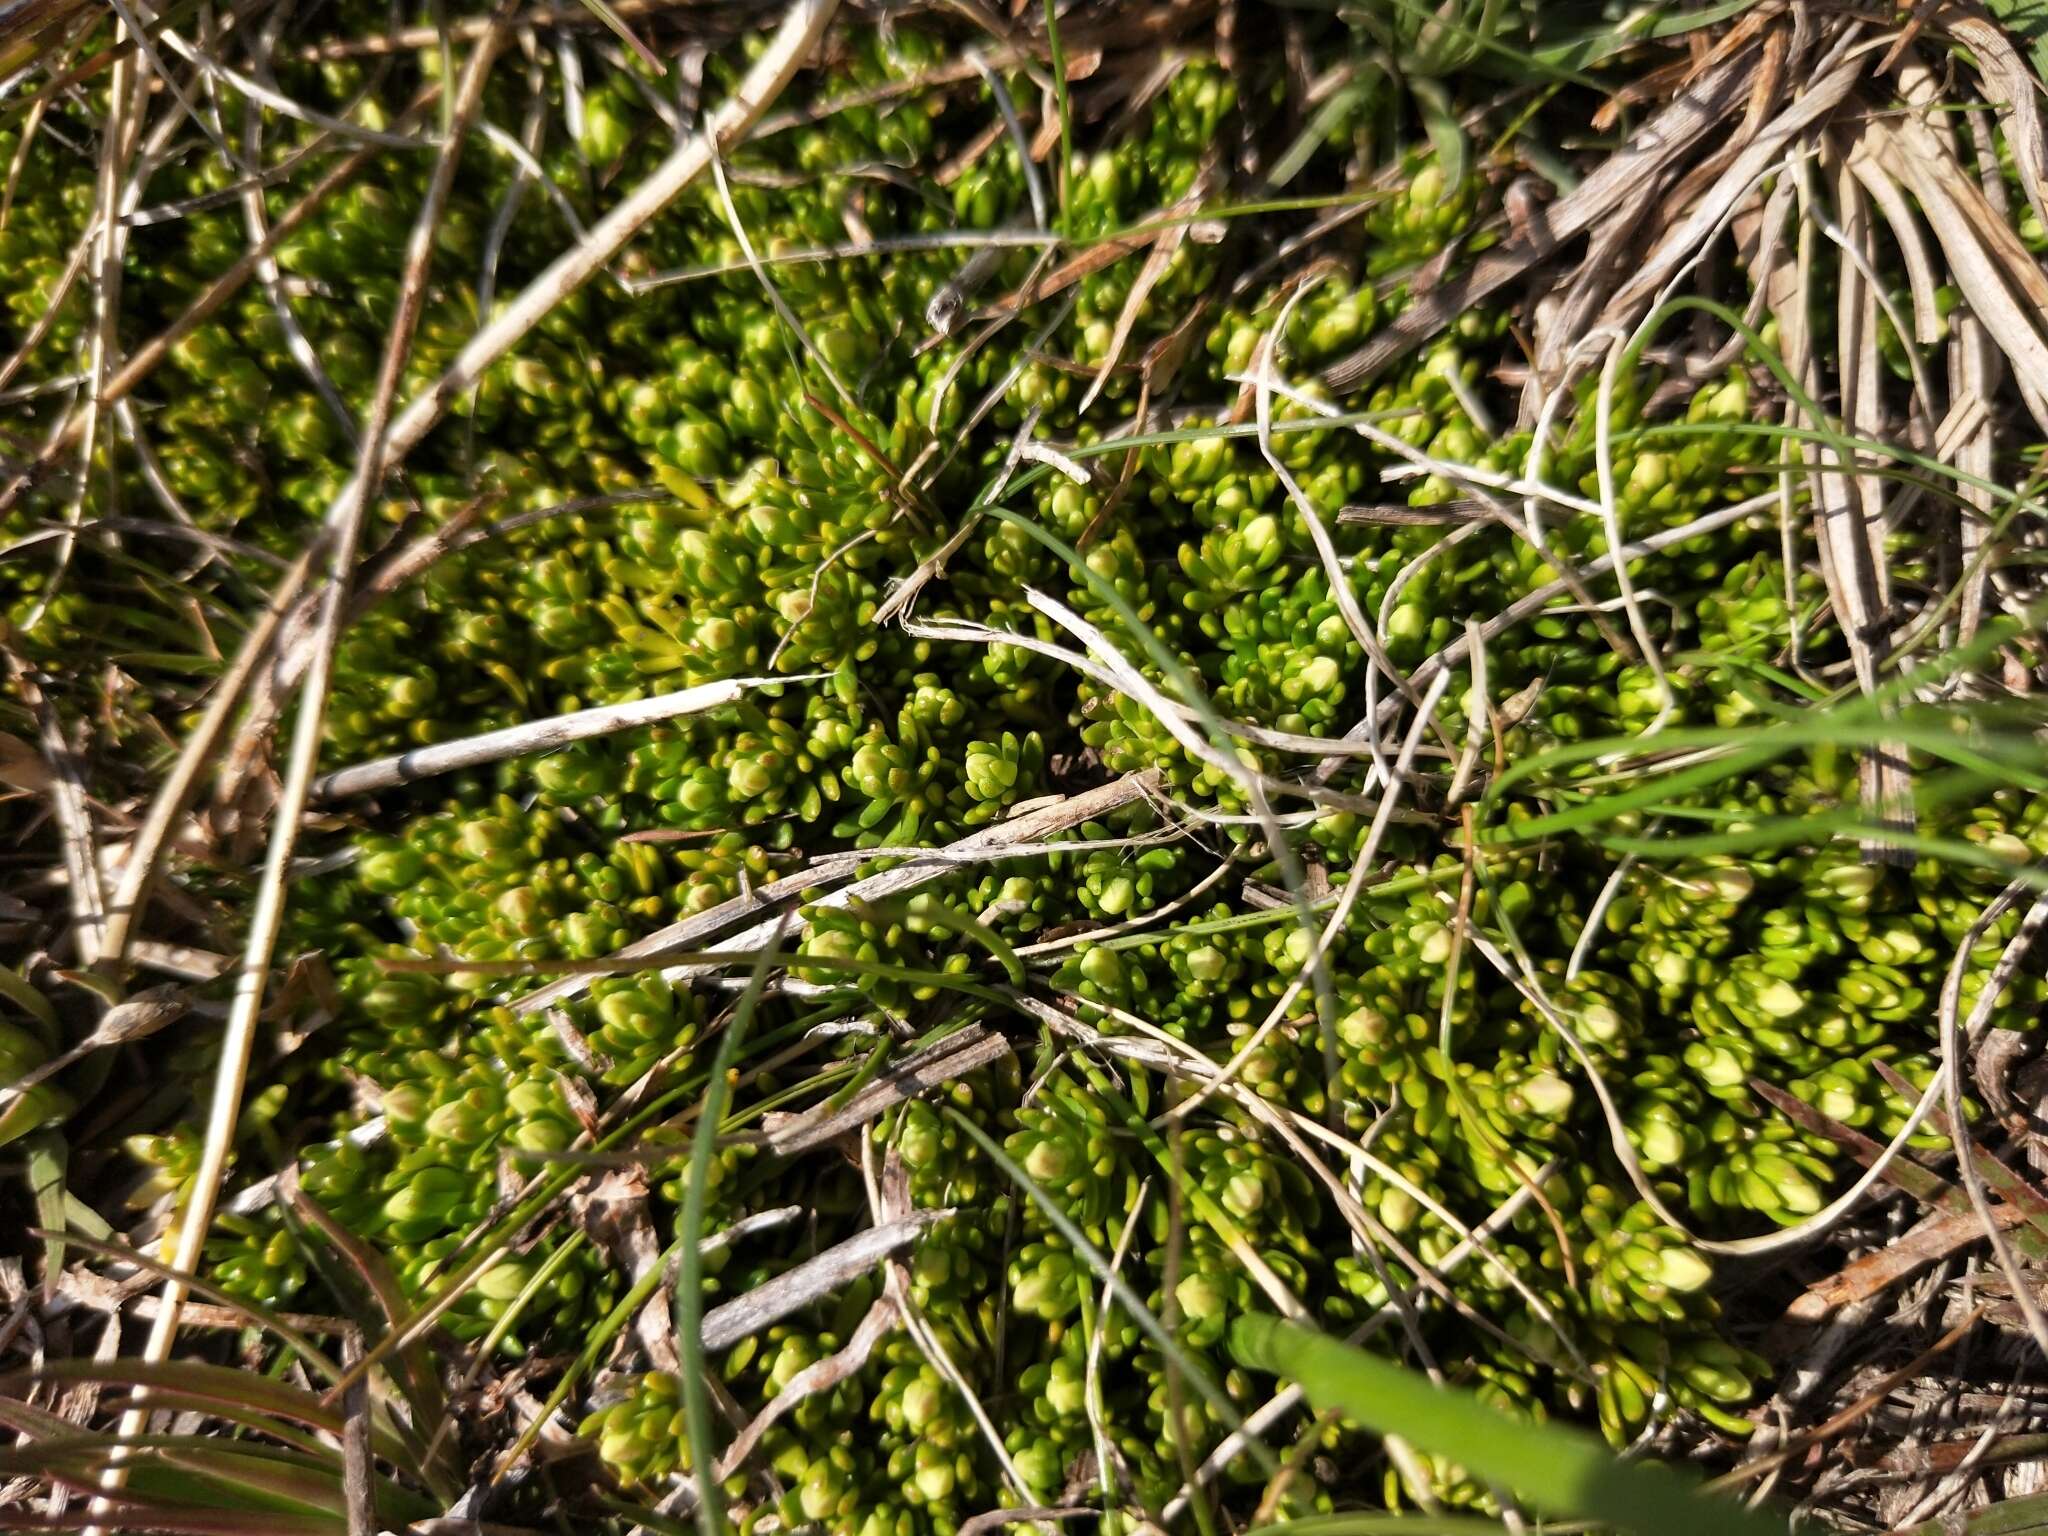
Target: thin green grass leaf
{"type": "Point", "coordinates": [1789, 831]}
{"type": "Point", "coordinates": [212, 1472]}
{"type": "Point", "coordinates": [1331, 115]}
{"type": "Point", "coordinates": [417, 1377]}
{"type": "Point", "coordinates": [184, 1522]}
{"type": "Point", "coordinates": [490, 1239]}
{"type": "Point", "coordinates": [1563, 1471]}
{"type": "Point", "coordinates": [600, 1340]}
{"type": "Point", "coordinates": [1360, 1524]}
{"type": "Point", "coordinates": [689, 1298]}
{"type": "Point", "coordinates": [44, 1159]}
{"type": "Point", "coordinates": [1098, 1263]}
{"type": "Point", "coordinates": [1062, 105]}
{"type": "Point", "coordinates": [29, 1000]}
{"type": "Point", "coordinates": [2014, 1517]}
{"type": "Point", "coordinates": [1440, 121]}
{"type": "Point", "coordinates": [929, 910]}
{"type": "Point", "coordinates": [624, 33]}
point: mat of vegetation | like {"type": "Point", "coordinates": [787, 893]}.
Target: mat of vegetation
{"type": "Point", "coordinates": [831, 769]}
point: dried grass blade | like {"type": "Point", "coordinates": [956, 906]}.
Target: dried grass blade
{"type": "Point", "coordinates": [1657, 147]}
{"type": "Point", "coordinates": [1680, 244]}
{"type": "Point", "coordinates": [1156, 262]}
{"type": "Point", "coordinates": [422, 1385]}
{"type": "Point", "coordinates": [533, 737]}
{"type": "Point", "coordinates": [2002, 283]}
{"type": "Point", "coordinates": [1850, 519]}
{"type": "Point", "coordinates": [1031, 827]}
{"type": "Point", "coordinates": [267, 913]}
{"type": "Point", "coordinates": [2014, 90]}
{"type": "Point", "coordinates": [174, 793]}
{"type": "Point", "coordinates": [969, 1050]}
{"type": "Point", "coordinates": [768, 1303]}
{"type": "Point", "coordinates": [820, 1376]}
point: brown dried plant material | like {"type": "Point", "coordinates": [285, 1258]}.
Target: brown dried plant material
{"type": "Point", "coordinates": [1875, 1273]}
{"type": "Point", "coordinates": [1662, 144]}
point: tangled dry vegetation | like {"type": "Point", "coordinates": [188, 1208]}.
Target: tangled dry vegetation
{"type": "Point", "coordinates": [890, 746]}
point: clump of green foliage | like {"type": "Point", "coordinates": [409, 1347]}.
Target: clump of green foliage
{"type": "Point", "coordinates": [727, 477]}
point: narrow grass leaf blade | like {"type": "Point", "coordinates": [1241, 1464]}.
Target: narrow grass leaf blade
{"type": "Point", "coordinates": [45, 1152]}
{"type": "Point", "coordinates": [1098, 1263]}
{"type": "Point", "coordinates": [2015, 1517]}
{"type": "Point", "coordinates": [180, 1522]}
{"type": "Point", "coordinates": [689, 1297]}
{"type": "Point", "coordinates": [187, 1470]}
{"type": "Point", "coordinates": [422, 1386]}
{"type": "Point", "coordinates": [1566, 1472]}
{"type": "Point", "coordinates": [241, 1397]}
{"type": "Point", "coordinates": [1357, 1524]}
{"type": "Point", "coordinates": [29, 1000]}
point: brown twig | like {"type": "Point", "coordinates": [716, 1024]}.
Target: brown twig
{"type": "Point", "coordinates": [1875, 1273]}
{"type": "Point", "coordinates": [919, 867]}
{"type": "Point", "coordinates": [1850, 1416]}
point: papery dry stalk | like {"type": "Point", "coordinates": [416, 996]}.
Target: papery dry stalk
{"type": "Point", "coordinates": [817, 1277]}
{"type": "Point", "coordinates": [70, 806]}
{"type": "Point", "coordinates": [803, 24]}
{"type": "Point", "coordinates": [1999, 279]}
{"type": "Point", "coordinates": [358, 1495]}
{"type": "Point", "coordinates": [968, 1050]}
{"type": "Point", "coordinates": [1658, 146]}
{"type": "Point", "coordinates": [1032, 826]}
{"type": "Point", "coordinates": [532, 737]}
{"type": "Point", "coordinates": [174, 792]}
{"type": "Point", "coordinates": [1849, 525]}
{"type": "Point", "coordinates": [1706, 218]}
{"type": "Point", "coordinates": [1957, 1036]}
{"type": "Point", "coordinates": [882, 1318]}
{"type": "Point", "coordinates": [2012, 86]}
{"type": "Point", "coordinates": [615, 1215]}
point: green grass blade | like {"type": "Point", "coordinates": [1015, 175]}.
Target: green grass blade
{"type": "Point", "coordinates": [181, 1522]}
{"type": "Point", "coordinates": [245, 1396]}
{"type": "Point", "coordinates": [1062, 105]}
{"type": "Point", "coordinates": [1566, 1472]}
{"type": "Point", "coordinates": [1098, 1263]}
{"type": "Point", "coordinates": [29, 1001]}
{"type": "Point", "coordinates": [689, 1302]}
{"type": "Point", "coordinates": [600, 1340]}
{"type": "Point", "coordinates": [46, 1155]}
{"type": "Point", "coordinates": [2014, 1517]}
{"type": "Point", "coordinates": [1357, 1524]}
{"type": "Point", "coordinates": [416, 1375]}
{"type": "Point", "coordinates": [932, 912]}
